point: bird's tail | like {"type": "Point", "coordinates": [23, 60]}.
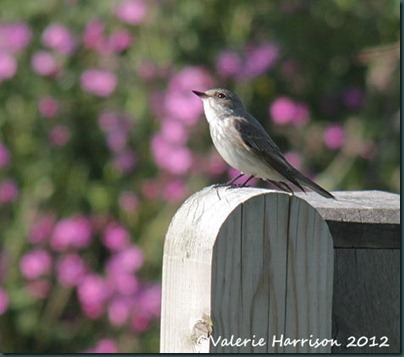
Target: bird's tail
{"type": "Point", "coordinates": [303, 180]}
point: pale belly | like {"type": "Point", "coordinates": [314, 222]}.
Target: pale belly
{"type": "Point", "coordinates": [238, 157]}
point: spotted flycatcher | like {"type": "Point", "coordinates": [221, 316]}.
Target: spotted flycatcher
{"type": "Point", "coordinates": [245, 145]}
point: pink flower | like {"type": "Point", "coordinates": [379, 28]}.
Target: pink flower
{"type": "Point", "coordinates": [99, 82]}
{"type": "Point", "coordinates": [58, 37]}
{"type": "Point", "coordinates": [302, 114]}
{"type": "Point", "coordinates": [294, 159]}
{"type": "Point", "coordinates": [93, 291]}
{"type": "Point", "coordinates": [175, 190]}
{"type": "Point", "coordinates": [116, 237]}
{"type": "Point", "coordinates": [150, 300]}
{"type": "Point", "coordinates": [35, 264]}
{"type": "Point", "coordinates": [123, 283]}
{"type": "Point", "coordinates": [39, 288]}
{"type": "Point", "coordinates": [70, 269]}
{"type": "Point", "coordinates": [48, 107]}
{"type": "Point", "coordinates": [72, 232]}
{"type": "Point", "coordinates": [44, 63]}
{"type": "Point", "coordinates": [14, 37]}
{"type": "Point", "coordinates": [260, 59]}
{"type": "Point", "coordinates": [334, 136]}
{"type": "Point", "coordinates": [3, 301]}
{"type": "Point", "coordinates": [119, 310]}
{"type": "Point", "coordinates": [353, 98]}
{"type": "Point", "coordinates": [59, 135]}
{"type": "Point", "coordinates": [8, 66]}
{"type": "Point", "coordinates": [93, 37]}
{"type": "Point", "coordinates": [131, 11]}
{"type": "Point", "coordinates": [128, 201]}
{"type": "Point", "coordinates": [120, 40]}
{"type": "Point", "coordinates": [4, 156]}
{"type": "Point", "coordinates": [216, 166]}
{"type": "Point", "coordinates": [282, 110]}
{"type": "Point", "coordinates": [174, 131]}
{"type": "Point", "coordinates": [128, 261]}
{"type": "Point", "coordinates": [125, 161]}
{"type": "Point", "coordinates": [189, 78]}
{"type": "Point", "coordinates": [105, 345]}
{"type": "Point", "coordinates": [8, 191]}
{"type": "Point", "coordinates": [228, 64]}
{"type": "Point", "coordinates": [116, 140]}
{"type": "Point", "coordinates": [41, 230]}
{"type": "Point", "coordinates": [173, 158]}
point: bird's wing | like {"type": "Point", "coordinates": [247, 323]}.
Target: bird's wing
{"type": "Point", "coordinates": [256, 139]}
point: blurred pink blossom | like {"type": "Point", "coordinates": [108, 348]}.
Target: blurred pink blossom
{"type": "Point", "coordinates": [191, 77]}
{"type": "Point", "coordinates": [176, 159]}
{"type": "Point", "coordinates": [119, 310]}
{"type": "Point", "coordinates": [14, 37]}
{"type": "Point", "coordinates": [39, 288]}
{"type": "Point", "coordinates": [128, 201]}
{"type": "Point", "coordinates": [72, 232]}
{"type": "Point", "coordinates": [151, 189]}
{"type": "Point", "coordinates": [5, 156]}
{"type": "Point", "coordinates": [3, 301]}
{"type": "Point", "coordinates": [116, 237]}
{"type": "Point", "coordinates": [216, 166]}
{"type": "Point", "coordinates": [41, 230]}
{"type": "Point", "coordinates": [59, 135]}
{"type": "Point", "coordinates": [150, 299]}
{"type": "Point", "coordinates": [125, 161]}
{"type": "Point", "coordinates": [111, 122]}
{"type": "Point", "coordinates": [93, 291]}
{"type": "Point", "coordinates": [93, 36]}
{"type": "Point", "coordinates": [131, 11]}
{"type": "Point", "coordinates": [302, 114]}
{"type": "Point", "coordinates": [35, 263]}
{"type": "Point", "coordinates": [353, 98]}
{"type": "Point", "coordinates": [44, 63]}
{"type": "Point", "coordinates": [106, 345]}
{"type": "Point", "coordinates": [99, 82]}
{"type": "Point", "coordinates": [8, 66]}
{"type": "Point", "coordinates": [120, 40]}
{"type": "Point", "coordinates": [147, 70]}
{"type": "Point", "coordinates": [334, 136]}
{"type": "Point", "coordinates": [174, 131]}
{"type": "Point", "coordinates": [48, 107]}
{"type": "Point", "coordinates": [8, 191]}
{"type": "Point", "coordinates": [284, 110]}
{"type": "Point", "coordinates": [128, 260]}
{"type": "Point", "coordinates": [59, 38]}
{"type": "Point", "coordinates": [294, 158]}
{"type": "Point", "coordinates": [228, 64]}
{"type": "Point", "coordinates": [70, 269]}
{"type": "Point", "coordinates": [123, 283]}
{"type": "Point", "coordinates": [260, 59]}
{"type": "Point", "coordinates": [116, 140]}
{"type": "Point", "coordinates": [140, 321]}
{"type": "Point", "coordinates": [175, 190]}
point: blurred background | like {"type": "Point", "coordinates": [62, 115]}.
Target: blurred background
{"type": "Point", "coordinates": [101, 140]}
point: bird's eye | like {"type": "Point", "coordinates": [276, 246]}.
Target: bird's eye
{"type": "Point", "coordinates": [221, 95]}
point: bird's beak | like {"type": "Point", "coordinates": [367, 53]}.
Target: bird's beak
{"type": "Point", "coordinates": [200, 94]}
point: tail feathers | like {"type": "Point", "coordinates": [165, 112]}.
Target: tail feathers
{"type": "Point", "coordinates": [310, 184]}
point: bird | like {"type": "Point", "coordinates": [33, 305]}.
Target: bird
{"type": "Point", "coordinates": [246, 146]}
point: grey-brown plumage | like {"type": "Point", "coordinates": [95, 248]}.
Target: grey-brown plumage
{"type": "Point", "coordinates": [245, 145]}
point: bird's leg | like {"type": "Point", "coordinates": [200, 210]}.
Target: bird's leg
{"type": "Point", "coordinates": [245, 183]}
{"type": "Point", "coordinates": [229, 183]}
{"type": "Point", "coordinates": [280, 184]}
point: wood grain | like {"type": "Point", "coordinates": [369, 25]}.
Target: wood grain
{"type": "Point", "coordinates": [258, 263]}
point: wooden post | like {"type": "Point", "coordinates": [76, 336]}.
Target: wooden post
{"type": "Point", "coordinates": [247, 270]}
